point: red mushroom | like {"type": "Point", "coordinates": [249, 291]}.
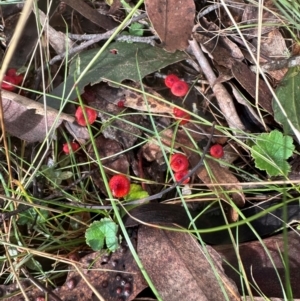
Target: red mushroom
{"type": "Point", "coordinates": [91, 115]}
{"type": "Point", "coordinates": [8, 83]}
{"type": "Point", "coordinates": [179, 162]}
{"type": "Point", "coordinates": [171, 79]}
{"type": "Point", "coordinates": [216, 151]}
{"type": "Point", "coordinates": [74, 146]}
{"type": "Point", "coordinates": [11, 80]}
{"type": "Point", "coordinates": [180, 175]}
{"type": "Point", "coordinates": [181, 115]}
{"type": "Point", "coordinates": [179, 88]}
{"type": "Point", "coordinates": [119, 186]}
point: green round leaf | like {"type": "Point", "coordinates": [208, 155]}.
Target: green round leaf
{"type": "Point", "coordinates": [271, 151]}
{"type": "Point", "coordinates": [100, 231]}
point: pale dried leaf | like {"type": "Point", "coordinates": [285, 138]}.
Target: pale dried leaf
{"type": "Point", "coordinates": [153, 103]}
{"type": "Point", "coordinates": [57, 39]}
{"type": "Point", "coordinates": [28, 120]}
{"type": "Point", "coordinates": [78, 132]}
{"type": "Point", "coordinates": [273, 46]}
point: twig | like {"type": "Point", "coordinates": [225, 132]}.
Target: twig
{"type": "Point", "coordinates": [92, 41]}
{"type": "Point", "coordinates": [224, 99]}
{"type": "Point", "coordinates": [279, 64]}
{"type": "Point", "coordinates": [39, 285]}
{"type": "Point", "coordinates": [207, 10]}
{"type": "Point", "coordinates": [135, 39]}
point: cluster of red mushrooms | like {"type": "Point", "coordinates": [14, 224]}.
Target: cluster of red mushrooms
{"type": "Point", "coordinates": [120, 184]}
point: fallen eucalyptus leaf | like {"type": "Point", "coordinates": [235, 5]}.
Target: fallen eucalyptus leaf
{"type": "Point", "coordinates": [173, 21]}
{"type": "Point", "coordinates": [180, 269]}
{"type": "Point", "coordinates": [117, 63]}
{"type": "Point", "coordinates": [28, 120]}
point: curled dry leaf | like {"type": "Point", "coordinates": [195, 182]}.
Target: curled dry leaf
{"type": "Point", "coordinates": [173, 21]}
{"type": "Point", "coordinates": [57, 39]}
{"type": "Point", "coordinates": [25, 118]}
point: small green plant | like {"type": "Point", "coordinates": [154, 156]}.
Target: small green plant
{"type": "Point", "coordinates": [55, 175]}
{"type": "Point", "coordinates": [136, 29]}
{"type": "Point", "coordinates": [100, 231]}
{"type": "Point", "coordinates": [271, 152]}
{"type": "Point", "coordinates": [105, 230]}
{"type": "Point", "coordinates": [136, 192]}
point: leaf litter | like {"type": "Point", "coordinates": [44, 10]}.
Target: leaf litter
{"type": "Point", "coordinates": [134, 134]}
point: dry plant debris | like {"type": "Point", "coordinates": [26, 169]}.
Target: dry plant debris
{"type": "Point", "coordinates": [149, 102]}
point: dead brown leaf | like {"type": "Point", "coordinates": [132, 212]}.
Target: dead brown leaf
{"type": "Point", "coordinates": [92, 14]}
{"type": "Point", "coordinates": [130, 98]}
{"type": "Point", "coordinates": [221, 175]}
{"type": "Point", "coordinates": [273, 46]}
{"type": "Point", "coordinates": [173, 21]}
{"type": "Point", "coordinates": [179, 268]}
{"type": "Point", "coordinates": [120, 129]}
{"type": "Point", "coordinates": [247, 79]}
{"type": "Point", "coordinates": [113, 277]}
{"type": "Point", "coordinates": [259, 267]}
{"type": "Point", "coordinates": [110, 151]}
{"type": "Point", "coordinates": [27, 119]}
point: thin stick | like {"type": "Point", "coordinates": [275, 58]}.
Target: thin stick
{"type": "Point", "coordinates": [224, 99]}
{"type": "Point", "coordinates": [39, 285]}
{"type": "Point", "coordinates": [90, 42]}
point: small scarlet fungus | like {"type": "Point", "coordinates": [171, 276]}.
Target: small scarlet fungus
{"type": "Point", "coordinates": [179, 88]}
{"type": "Point", "coordinates": [119, 186]}
{"type": "Point", "coordinates": [181, 115]}
{"type": "Point", "coordinates": [91, 115]}
{"type": "Point", "coordinates": [216, 151]}
{"type": "Point", "coordinates": [179, 176]}
{"type": "Point", "coordinates": [11, 72]}
{"type": "Point", "coordinates": [171, 79]}
{"type": "Point", "coordinates": [11, 79]}
{"type": "Point", "coordinates": [179, 162]}
{"type": "Point", "coordinates": [73, 147]}
{"type": "Point", "coordinates": [120, 104]}
{"type": "Point", "coordinates": [8, 83]}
